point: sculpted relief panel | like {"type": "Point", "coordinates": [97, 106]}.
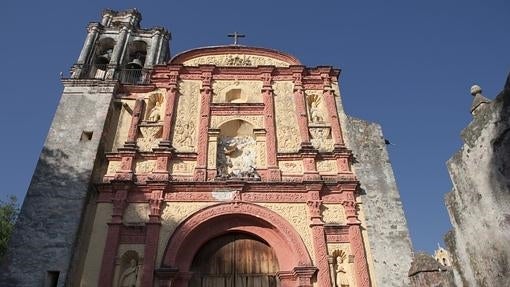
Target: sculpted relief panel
{"type": "Point", "coordinates": [236, 157]}
{"type": "Point", "coordinates": [237, 92]}
{"type": "Point", "coordinates": [319, 126]}
{"type": "Point", "coordinates": [184, 167]}
{"type": "Point", "coordinates": [236, 60]}
{"type": "Point", "coordinates": [184, 134]}
{"type": "Point", "coordinates": [291, 167]}
{"type": "Point", "coordinates": [287, 133]}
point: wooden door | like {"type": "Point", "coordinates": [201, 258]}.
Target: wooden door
{"type": "Point", "coordinates": [235, 260]}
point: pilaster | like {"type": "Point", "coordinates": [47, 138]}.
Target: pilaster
{"type": "Point", "coordinates": [273, 173]}
{"type": "Point", "coordinates": [319, 238]}
{"type": "Point", "coordinates": [329, 97]}
{"type": "Point", "coordinates": [153, 228]}
{"type": "Point", "coordinates": [113, 236]}
{"type": "Point", "coordinates": [203, 127]}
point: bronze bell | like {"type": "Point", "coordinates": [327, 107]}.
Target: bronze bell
{"type": "Point", "coordinates": [105, 57]}
{"type": "Point", "coordinates": [136, 64]}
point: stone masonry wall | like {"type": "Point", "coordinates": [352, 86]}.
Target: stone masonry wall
{"type": "Point", "coordinates": [46, 233]}
{"type": "Point", "coordinates": [479, 203]}
{"type": "Point", "coordinates": [385, 220]}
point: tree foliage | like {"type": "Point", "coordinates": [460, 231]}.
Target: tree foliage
{"type": "Point", "coordinates": [8, 214]}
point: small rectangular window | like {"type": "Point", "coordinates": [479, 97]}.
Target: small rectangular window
{"type": "Point", "coordinates": [51, 278]}
{"type": "Point", "coordinates": [86, 136]}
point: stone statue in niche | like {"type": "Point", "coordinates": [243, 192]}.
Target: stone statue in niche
{"type": "Point", "coordinates": [155, 108]}
{"type": "Point", "coordinates": [341, 278]}
{"type": "Point", "coordinates": [129, 277]}
{"type": "Point", "coordinates": [236, 157]}
{"type": "Point", "coordinates": [314, 111]}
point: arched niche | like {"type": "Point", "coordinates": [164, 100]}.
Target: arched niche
{"type": "Point", "coordinates": [236, 152]}
{"type": "Point", "coordinates": [103, 51]}
{"type": "Point", "coordinates": [243, 217]}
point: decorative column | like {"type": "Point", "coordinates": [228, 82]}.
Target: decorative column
{"type": "Point", "coordinates": [273, 173]}
{"type": "Point", "coordinates": [165, 150]}
{"type": "Point", "coordinates": [117, 51]}
{"type": "Point", "coordinates": [93, 31]}
{"type": "Point", "coordinates": [113, 236]}
{"type": "Point", "coordinates": [107, 16]}
{"type": "Point", "coordinates": [307, 151]}
{"type": "Point", "coordinates": [329, 97]}
{"type": "Point", "coordinates": [153, 228]}
{"type": "Point", "coordinates": [203, 127]}
{"type": "Point", "coordinates": [214, 134]}
{"type": "Point", "coordinates": [355, 236]}
{"type": "Point", "coordinates": [319, 238]}
{"type": "Point", "coordinates": [128, 151]}
{"type": "Point", "coordinates": [151, 55]}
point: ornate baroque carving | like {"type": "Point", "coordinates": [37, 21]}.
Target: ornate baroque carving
{"type": "Point", "coordinates": [113, 167]}
{"type": "Point", "coordinates": [145, 166]}
{"type": "Point", "coordinates": [235, 60]}
{"type": "Point", "coordinates": [287, 133]}
{"type": "Point", "coordinates": [182, 167]}
{"type": "Point", "coordinates": [151, 135]}
{"type": "Point", "coordinates": [327, 166]}
{"type": "Point", "coordinates": [236, 157]}
{"type": "Point", "coordinates": [184, 133]}
{"type": "Point", "coordinates": [295, 166]}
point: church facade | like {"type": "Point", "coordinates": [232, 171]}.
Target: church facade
{"type": "Point", "coordinates": [220, 166]}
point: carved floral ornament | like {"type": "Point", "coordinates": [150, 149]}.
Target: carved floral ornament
{"type": "Point", "coordinates": [235, 60]}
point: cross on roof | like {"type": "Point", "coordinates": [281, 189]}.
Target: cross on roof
{"type": "Point", "coordinates": [236, 36]}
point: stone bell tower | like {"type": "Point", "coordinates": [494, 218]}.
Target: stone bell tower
{"type": "Point", "coordinates": [48, 238]}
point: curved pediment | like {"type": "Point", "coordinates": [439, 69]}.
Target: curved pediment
{"type": "Point", "coordinates": [234, 56]}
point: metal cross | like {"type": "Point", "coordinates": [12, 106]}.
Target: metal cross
{"type": "Point", "coordinates": [236, 36]}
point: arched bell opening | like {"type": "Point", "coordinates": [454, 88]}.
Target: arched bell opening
{"type": "Point", "coordinates": [102, 56]}
{"type": "Point", "coordinates": [134, 62]}
{"type": "Point", "coordinates": [235, 259]}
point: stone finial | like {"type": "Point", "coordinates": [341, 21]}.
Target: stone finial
{"type": "Point", "coordinates": [479, 99]}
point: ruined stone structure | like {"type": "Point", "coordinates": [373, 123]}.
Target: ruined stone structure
{"type": "Point", "coordinates": [224, 166]}
{"type": "Point", "coordinates": [479, 203]}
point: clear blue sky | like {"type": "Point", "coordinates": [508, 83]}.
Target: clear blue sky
{"type": "Point", "coordinates": [407, 65]}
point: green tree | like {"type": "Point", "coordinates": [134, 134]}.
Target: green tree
{"type": "Point", "coordinates": [8, 214]}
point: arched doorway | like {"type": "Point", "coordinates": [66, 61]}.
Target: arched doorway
{"type": "Point", "coordinates": [235, 260]}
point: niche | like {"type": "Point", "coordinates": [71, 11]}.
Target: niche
{"type": "Point", "coordinates": [236, 151]}
{"type": "Point", "coordinates": [154, 108]}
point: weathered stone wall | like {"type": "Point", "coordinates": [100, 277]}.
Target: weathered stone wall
{"type": "Point", "coordinates": [388, 236]}
{"type": "Point", "coordinates": [479, 203]}
{"type": "Point", "coordinates": [427, 272]}
{"type": "Point", "coordinates": [46, 233]}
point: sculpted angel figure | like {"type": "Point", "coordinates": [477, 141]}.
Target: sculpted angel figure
{"type": "Point", "coordinates": [129, 277]}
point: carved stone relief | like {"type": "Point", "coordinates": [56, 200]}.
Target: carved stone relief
{"type": "Point", "coordinates": [287, 133]}
{"type": "Point", "coordinates": [185, 130]}
{"type": "Point", "coordinates": [333, 213]}
{"type": "Point", "coordinates": [256, 121]}
{"type": "Point", "coordinates": [113, 167]}
{"type": "Point", "coordinates": [291, 167]}
{"type": "Point", "coordinates": [151, 135]}
{"type": "Point", "coordinates": [182, 167]}
{"type": "Point", "coordinates": [238, 60]}
{"type": "Point", "coordinates": [327, 166]}
{"type": "Point", "coordinates": [145, 166]}
{"type": "Point", "coordinates": [261, 154]}
{"type": "Point", "coordinates": [236, 157]}
{"type": "Point", "coordinates": [321, 138]}
{"type": "Point", "coordinates": [237, 92]}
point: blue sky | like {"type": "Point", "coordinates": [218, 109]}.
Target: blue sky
{"type": "Point", "coordinates": [407, 65]}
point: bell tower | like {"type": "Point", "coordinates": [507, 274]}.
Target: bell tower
{"type": "Point", "coordinates": [50, 234]}
{"type": "Point", "coordinates": [117, 48]}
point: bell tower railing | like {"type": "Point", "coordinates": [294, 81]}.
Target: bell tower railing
{"type": "Point", "coordinates": [124, 75]}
